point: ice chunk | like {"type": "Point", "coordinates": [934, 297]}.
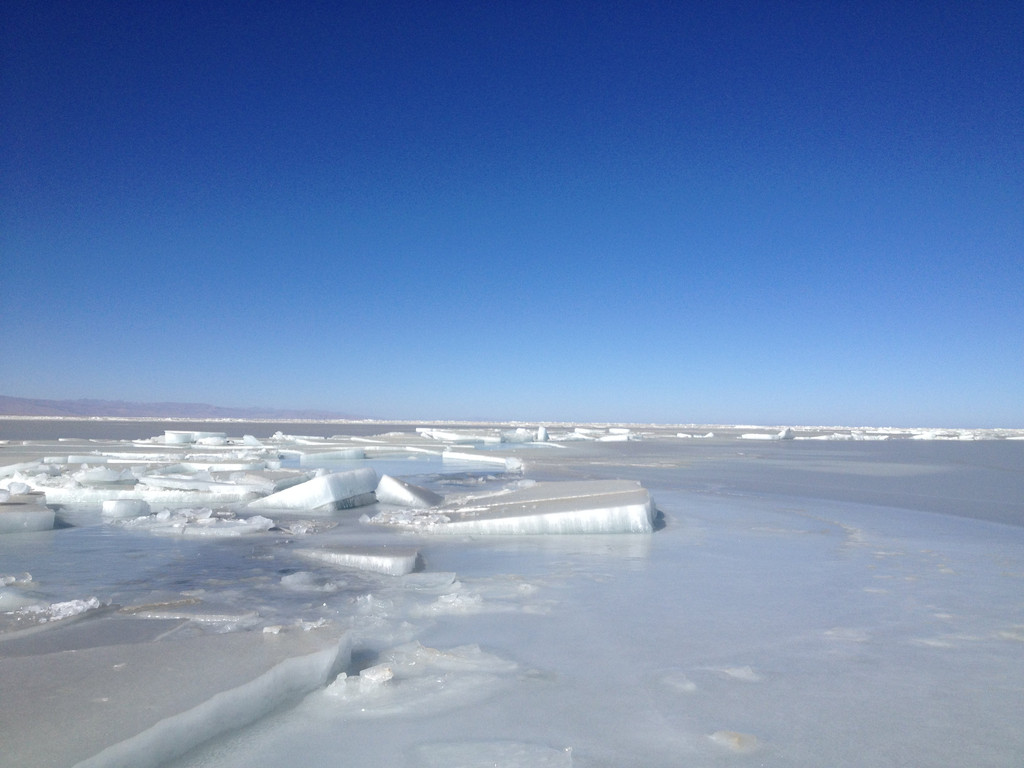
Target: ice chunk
{"type": "Point", "coordinates": [449, 436]}
{"type": "Point", "coordinates": [345, 454]}
{"type": "Point", "coordinates": [785, 434]}
{"type": "Point", "coordinates": [197, 522]}
{"type": "Point", "coordinates": [88, 458]}
{"type": "Point", "coordinates": [183, 437]}
{"type": "Point", "coordinates": [393, 561]}
{"type": "Point", "coordinates": [586, 506]}
{"type": "Point", "coordinates": [25, 512]}
{"type": "Point", "coordinates": [24, 466]}
{"type": "Point", "coordinates": [518, 435]}
{"type": "Point", "coordinates": [415, 678]}
{"type": "Point", "coordinates": [104, 476]}
{"type": "Point", "coordinates": [339, 490]}
{"type": "Point", "coordinates": [391, 490]}
{"type": "Point", "coordinates": [510, 463]}
{"type": "Point", "coordinates": [376, 675]}
{"type": "Point", "coordinates": [215, 494]}
{"type": "Point", "coordinates": [60, 611]}
{"type": "Point", "coordinates": [124, 508]}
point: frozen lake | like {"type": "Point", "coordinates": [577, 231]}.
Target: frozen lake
{"type": "Point", "coordinates": [798, 602]}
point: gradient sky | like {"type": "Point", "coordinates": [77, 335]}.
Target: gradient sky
{"type": "Point", "coordinates": [807, 213]}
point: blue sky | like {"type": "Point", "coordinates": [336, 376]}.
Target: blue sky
{"type": "Point", "coordinates": [738, 212]}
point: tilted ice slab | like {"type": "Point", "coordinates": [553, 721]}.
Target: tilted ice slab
{"type": "Point", "coordinates": [340, 490]}
{"type": "Point", "coordinates": [509, 463]}
{"type": "Point", "coordinates": [391, 490]}
{"type": "Point", "coordinates": [392, 561]}
{"type": "Point", "coordinates": [145, 704]}
{"type": "Point", "coordinates": [586, 506]}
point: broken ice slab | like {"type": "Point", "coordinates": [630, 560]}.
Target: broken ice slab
{"type": "Point", "coordinates": [465, 438]}
{"type": "Point", "coordinates": [24, 466]}
{"type": "Point", "coordinates": [268, 481]}
{"type": "Point", "coordinates": [586, 506]}
{"type": "Point", "coordinates": [214, 494]}
{"type": "Point", "coordinates": [23, 512]}
{"type": "Point", "coordinates": [181, 437]}
{"type": "Point", "coordinates": [104, 476]}
{"type": "Point", "coordinates": [342, 454]}
{"type": "Point", "coordinates": [147, 703]}
{"type": "Point", "coordinates": [124, 508]}
{"type": "Point", "coordinates": [785, 434]}
{"type": "Point", "coordinates": [488, 458]}
{"type": "Point", "coordinates": [340, 490]}
{"type": "Point", "coordinates": [391, 490]}
{"type": "Point", "coordinates": [393, 561]}
{"type": "Point", "coordinates": [197, 522]}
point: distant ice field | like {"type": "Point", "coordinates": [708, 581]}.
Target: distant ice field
{"type": "Point", "coordinates": [847, 601]}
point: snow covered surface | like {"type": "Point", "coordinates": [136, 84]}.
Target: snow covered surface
{"type": "Point", "coordinates": [815, 596]}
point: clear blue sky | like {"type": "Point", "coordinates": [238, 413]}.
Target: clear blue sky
{"type": "Point", "coordinates": [667, 211]}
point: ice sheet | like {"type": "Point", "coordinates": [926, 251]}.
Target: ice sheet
{"type": "Point", "coordinates": [841, 600]}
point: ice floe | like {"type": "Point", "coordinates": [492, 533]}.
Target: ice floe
{"type": "Point", "coordinates": [393, 561]}
{"type": "Point", "coordinates": [597, 506]}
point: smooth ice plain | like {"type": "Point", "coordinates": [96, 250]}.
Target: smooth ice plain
{"type": "Point", "coordinates": [229, 594]}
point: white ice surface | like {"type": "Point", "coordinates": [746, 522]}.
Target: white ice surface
{"type": "Point", "coordinates": [806, 603]}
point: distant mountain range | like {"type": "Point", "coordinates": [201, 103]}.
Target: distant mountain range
{"type": "Point", "coordinates": [23, 406]}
